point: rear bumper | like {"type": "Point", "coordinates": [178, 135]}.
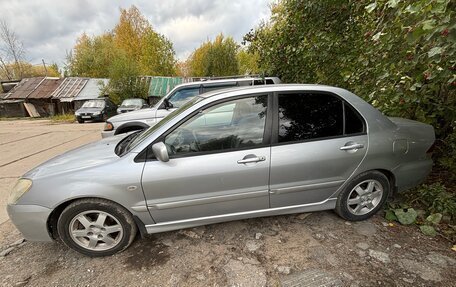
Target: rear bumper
{"type": "Point", "coordinates": [31, 221]}
{"type": "Point", "coordinates": [411, 174]}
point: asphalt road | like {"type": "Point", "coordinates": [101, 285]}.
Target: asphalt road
{"type": "Point", "coordinates": [317, 249]}
{"type": "Point", "coordinates": [26, 143]}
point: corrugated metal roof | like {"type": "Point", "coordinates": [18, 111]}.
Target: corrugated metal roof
{"type": "Point", "coordinates": [45, 88]}
{"type": "Point", "coordinates": [92, 89]}
{"type": "Point", "coordinates": [24, 88]}
{"type": "Point", "coordinates": [69, 88]}
{"type": "Point", "coordinates": [160, 86]}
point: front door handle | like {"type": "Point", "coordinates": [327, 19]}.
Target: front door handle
{"type": "Point", "coordinates": [251, 158]}
{"type": "Point", "coordinates": [351, 146]}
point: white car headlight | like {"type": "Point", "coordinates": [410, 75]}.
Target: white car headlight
{"type": "Point", "coordinates": [77, 114]}
{"type": "Point", "coordinates": [22, 186]}
{"type": "Point", "coordinates": [96, 113]}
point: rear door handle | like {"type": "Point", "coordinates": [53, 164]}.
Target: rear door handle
{"type": "Point", "coordinates": [351, 146]}
{"type": "Point", "coordinates": [251, 158]}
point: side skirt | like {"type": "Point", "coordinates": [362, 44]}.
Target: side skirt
{"type": "Point", "coordinates": [186, 223]}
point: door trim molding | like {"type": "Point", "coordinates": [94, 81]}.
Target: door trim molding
{"type": "Point", "coordinates": [299, 188]}
{"type": "Point", "coordinates": [207, 200]}
{"type": "Point", "coordinates": [192, 222]}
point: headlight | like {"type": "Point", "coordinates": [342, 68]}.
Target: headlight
{"type": "Point", "coordinates": [96, 113]}
{"type": "Point", "coordinates": [108, 126]}
{"type": "Point", "coordinates": [119, 111]}
{"type": "Point", "coordinates": [77, 114]}
{"type": "Point", "coordinates": [22, 186]}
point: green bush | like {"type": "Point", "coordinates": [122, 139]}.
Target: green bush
{"type": "Point", "coordinates": [434, 198]}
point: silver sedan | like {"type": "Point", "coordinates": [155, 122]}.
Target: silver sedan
{"type": "Point", "coordinates": [225, 155]}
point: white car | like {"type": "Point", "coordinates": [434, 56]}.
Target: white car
{"type": "Point", "coordinates": [144, 118]}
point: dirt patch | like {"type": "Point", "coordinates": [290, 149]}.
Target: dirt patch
{"type": "Point", "coordinates": [146, 255]}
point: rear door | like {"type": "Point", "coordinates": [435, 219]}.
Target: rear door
{"type": "Point", "coordinates": [318, 142]}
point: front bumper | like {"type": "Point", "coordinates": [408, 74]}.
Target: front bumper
{"type": "Point", "coordinates": [31, 221]}
{"type": "Point", "coordinates": [107, 134]}
{"type": "Point", "coordinates": [90, 117]}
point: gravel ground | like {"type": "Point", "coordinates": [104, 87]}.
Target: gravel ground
{"type": "Point", "coordinates": [317, 249]}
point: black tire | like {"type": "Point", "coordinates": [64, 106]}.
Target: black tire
{"type": "Point", "coordinates": [80, 121]}
{"type": "Point", "coordinates": [347, 212]}
{"type": "Point", "coordinates": [115, 214]}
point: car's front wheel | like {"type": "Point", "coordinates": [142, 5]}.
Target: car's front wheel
{"type": "Point", "coordinates": [363, 196]}
{"type": "Point", "coordinates": [96, 227]}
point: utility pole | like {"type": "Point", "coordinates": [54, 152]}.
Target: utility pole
{"type": "Point", "coordinates": [45, 70]}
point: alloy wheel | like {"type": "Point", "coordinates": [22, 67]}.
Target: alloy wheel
{"type": "Point", "coordinates": [365, 197]}
{"type": "Point", "coordinates": [96, 230]}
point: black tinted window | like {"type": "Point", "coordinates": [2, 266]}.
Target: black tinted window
{"type": "Point", "coordinates": [353, 121]}
{"type": "Point", "coordinates": [230, 125]}
{"type": "Point", "coordinates": [309, 116]}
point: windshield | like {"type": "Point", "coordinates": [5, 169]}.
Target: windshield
{"type": "Point", "coordinates": [132, 103]}
{"type": "Point", "coordinates": [141, 137]}
{"type": "Point", "coordinates": [182, 96]}
{"type": "Point", "coordinates": [94, 104]}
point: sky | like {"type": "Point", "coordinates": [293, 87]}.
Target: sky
{"type": "Point", "coordinates": [49, 28]}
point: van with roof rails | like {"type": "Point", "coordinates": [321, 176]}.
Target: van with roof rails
{"type": "Point", "coordinates": [181, 94]}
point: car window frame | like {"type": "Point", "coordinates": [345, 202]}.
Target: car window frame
{"type": "Point", "coordinates": [145, 154]}
{"type": "Point", "coordinates": [275, 118]}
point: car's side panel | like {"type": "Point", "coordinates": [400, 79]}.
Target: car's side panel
{"type": "Point", "coordinates": [119, 181]}
{"type": "Point", "coordinates": [192, 222]}
{"type": "Point", "coordinates": [309, 172]}
{"type": "Point", "coordinates": [206, 185]}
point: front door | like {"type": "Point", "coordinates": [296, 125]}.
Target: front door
{"type": "Point", "coordinates": [219, 163]}
{"type": "Point", "coordinates": [319, 142]}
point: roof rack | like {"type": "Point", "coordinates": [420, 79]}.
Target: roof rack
{"type": "Point", "coordinates": [228, 77]}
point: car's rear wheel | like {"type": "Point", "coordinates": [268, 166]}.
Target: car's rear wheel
{"type": "Point", "coordinates": [363, 196]}
{"type": "Point", "coordinates": [96, 227]}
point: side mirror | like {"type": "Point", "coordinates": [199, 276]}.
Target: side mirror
{"type": "Point", "coordinates": [160, 151]}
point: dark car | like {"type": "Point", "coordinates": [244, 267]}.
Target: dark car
{"type": "Point", "coordinates": [129, 105]}
{"type": "Point", "coordinates": [96, 110]}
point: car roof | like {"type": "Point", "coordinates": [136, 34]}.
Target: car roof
{"type": "Point", "coordinates": [221, 81]}
{"type": "Point", "coordinates": [269, 88]}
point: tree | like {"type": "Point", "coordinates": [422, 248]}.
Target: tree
{"type": "Point", "coordinates": [132, 49]}
{"type": "Point", "coordinates": [124, 82]}
{"type": "Point", "coordinates": [11, 53]}
{"type": "Point", "coordinates": [92, 56]}
{"type": "Point", "coordinates": [216, 58]}
{"type": "Point", "coordinates": [152, 51]}
{"type": "Point", "coordinates": [248, 62]}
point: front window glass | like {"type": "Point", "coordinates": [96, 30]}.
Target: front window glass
{"type": "Point", "coordinates": [182, 96]}
{"type": "Point", "coordinates": [168, 118]}
{"type": "Point", "coordinates": [230, 125]}
{"type": "Point", "coordinates": [94, 104]}
{"type": "Point", "coordinates": [309, 116]}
